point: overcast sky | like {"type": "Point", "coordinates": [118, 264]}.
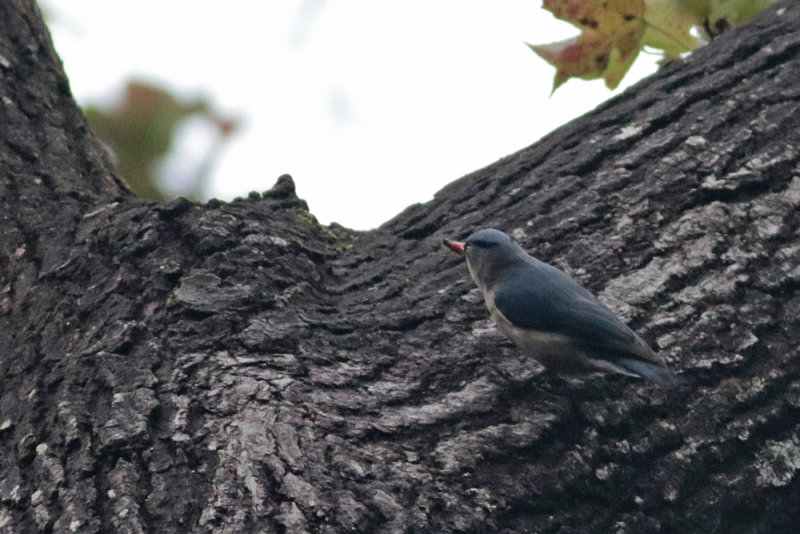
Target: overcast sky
{"type": "Point", "coordinates": [369, 105]}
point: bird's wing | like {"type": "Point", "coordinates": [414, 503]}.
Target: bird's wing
{"type": "Point", "coordinates": [541, 297]}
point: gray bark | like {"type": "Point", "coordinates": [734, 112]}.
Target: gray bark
{"type": "Point", "coordinates": [237, 367]}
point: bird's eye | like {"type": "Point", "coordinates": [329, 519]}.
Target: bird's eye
{"type": "Point", "coordinates": [482, 243]}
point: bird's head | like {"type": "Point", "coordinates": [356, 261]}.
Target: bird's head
{"type": "Point", "coordinates": [488, 253]}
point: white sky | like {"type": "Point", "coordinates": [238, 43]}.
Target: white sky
{"type": "Point", "coordinates": [370, 105]}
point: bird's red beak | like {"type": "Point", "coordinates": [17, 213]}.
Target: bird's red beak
{"type": "Point", "coordinates": [456, 246]}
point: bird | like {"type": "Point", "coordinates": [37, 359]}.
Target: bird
{"type": "Point", "coordinates": [551, 317]}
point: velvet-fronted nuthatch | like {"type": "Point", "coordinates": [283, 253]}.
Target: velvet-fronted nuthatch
{"type": "Point", "coordinates": [551, 317]}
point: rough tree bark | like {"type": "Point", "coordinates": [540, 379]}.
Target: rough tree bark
{"type": "Point", "coordinates": [237, 367]}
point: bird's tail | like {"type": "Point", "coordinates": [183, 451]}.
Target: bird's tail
{"type": "Point", "coordinates": [655, 373]}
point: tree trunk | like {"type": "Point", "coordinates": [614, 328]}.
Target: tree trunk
{"type": "Point", "coordinates": [237, 367]}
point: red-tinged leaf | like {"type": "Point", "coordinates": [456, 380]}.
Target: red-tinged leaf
{"type": "Point", "coordinates": [611, 28]}
{"type": "Point", "coordinates": [605, 16]}
{"type": "Point", "coordinates": [614, 31]}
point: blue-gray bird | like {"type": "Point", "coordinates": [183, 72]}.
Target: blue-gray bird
{"type": "Point", "coordinates": [551, 317]}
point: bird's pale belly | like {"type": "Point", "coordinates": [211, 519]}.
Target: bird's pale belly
{"type": "Point", "coordinates": [555, 351]}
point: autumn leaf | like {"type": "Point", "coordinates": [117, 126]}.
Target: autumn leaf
{"type": "Point", "coordinates": [614, 31]}
{"type": "Point", "coordinates": [670, 29]}
{"type": "Point", "coordinates": [596, 14]}
{"type": "Point", "coordinates": [571, 59]}
{"type": "Point", "coordinates": [591, 55]}
{"type": "Point", "coordinates": [735, 12]}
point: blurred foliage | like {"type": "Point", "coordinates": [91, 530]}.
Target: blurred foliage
{"type": "Point", "coordinates": [140, 132]}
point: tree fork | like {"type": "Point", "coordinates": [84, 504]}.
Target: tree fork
{"type": "Point", "coordinates": [237, 367]}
